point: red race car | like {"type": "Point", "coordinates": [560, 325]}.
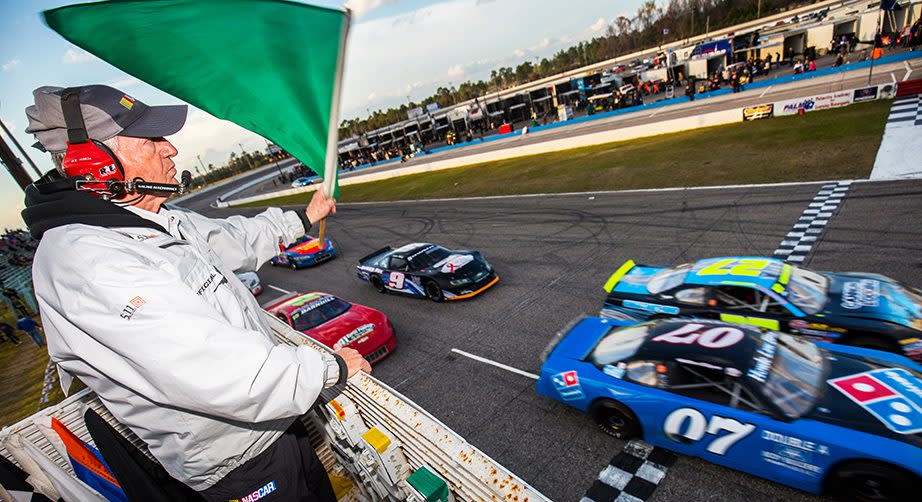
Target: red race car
{"type": "Point", "coordinates": [331, 320]}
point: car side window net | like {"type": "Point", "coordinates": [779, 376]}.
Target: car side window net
{"type": "Point", "coordinates": [712, 385]}
{"type": "Point", "coordinates": [743, 298]}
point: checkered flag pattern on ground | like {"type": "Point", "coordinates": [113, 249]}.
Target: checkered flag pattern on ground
{"type": "Point", "coordinates": [632, 475]}
{"type": "Point", "coordinates": [906, 109]}
{"type": "Point", "coordinates": [800, 240]}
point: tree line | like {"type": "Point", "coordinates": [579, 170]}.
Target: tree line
{"type": "Point", "coordinates": [652, 25]}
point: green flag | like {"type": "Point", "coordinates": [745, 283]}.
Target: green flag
{"type": "Point", "coordinates": [271, 66]}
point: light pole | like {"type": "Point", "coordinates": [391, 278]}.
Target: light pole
{"type": "Point", "coordinates": [244, 152]}
{"type": "Point", "coordinates": [199, 157]}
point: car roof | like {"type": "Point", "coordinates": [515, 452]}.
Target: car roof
{"type": "Point", "coordinates": [409, 249]}
{"type": "Point", "coordinates": [738, 355]}
{"type": "Point", "coordinates": [751, 271]}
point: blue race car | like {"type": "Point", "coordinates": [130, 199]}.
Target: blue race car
{"type": "Point", "coordinates": [865, 310]}
{"type": "Point", "coordinates": [304, 252]}
{"type": "Point", "coordinates": [815, 416]}
{"type": "Point", "coordinates": [305, 181]}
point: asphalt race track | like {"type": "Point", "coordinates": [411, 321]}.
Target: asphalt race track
{"type": "Point", "coordinates": [553, 254]}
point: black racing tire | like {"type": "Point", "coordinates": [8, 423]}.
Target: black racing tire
{"type": "Point", "coordinates": [378, 283]}
{"type": "Point", "coordinates": [870, 481]}
{"type": "Point", "coordinates": [873, 342]}
{"type": "Point", "coordinates": [434, 291]}
{"type": "Point", "coordinates": [293, 266]}
{"type": "Point", "coordinates": [615, 419]}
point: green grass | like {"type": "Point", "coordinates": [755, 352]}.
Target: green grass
{"type": "Point", "coordinates": [824, 145]}
{"type": "Point", "coordinates": [22, 371]}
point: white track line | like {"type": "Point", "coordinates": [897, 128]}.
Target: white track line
{"type": "Point", "coordinates": [766, 90]}
{"type": "Point", "coordinates": [494, 363]}
{"type": "Point", "coordinates": [280, 290]}
{"type": "Point", "coordinates": [603, 192]}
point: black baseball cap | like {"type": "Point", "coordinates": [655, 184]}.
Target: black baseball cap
{"type": "Point", "coordinates": [107, 112]}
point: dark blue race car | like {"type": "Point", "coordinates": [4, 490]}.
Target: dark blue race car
{"type": "Point", "coordinates": [816, 416]}
{"type": "Point", "coordinates": [427, 270]}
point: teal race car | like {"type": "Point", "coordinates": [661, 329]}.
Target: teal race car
{"type": "Point", "coordinates": [860, 309]}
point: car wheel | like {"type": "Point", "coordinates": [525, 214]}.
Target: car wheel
{"type": "Point", "coordinates": [434, 291]}
{"type": "Point", "coordinates": [378, 284]}
{"type": "Point", "coordinates": [293, 266]}
{"type": "Point", "coordinates": [873, 342]}
{"type": "Point", "coordinates": [615, 419]}
{"type": "Point", "coordinates": [867, 481]}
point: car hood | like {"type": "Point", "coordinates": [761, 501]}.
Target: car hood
{"type": "Point", "coordinates": [873, 396]}
{"type": "Point", "coordinates": [871, 296]}
{"type": "Point", "coordinates": [354, 323]}
{"type": "Point", "coordinates": [458, 264]}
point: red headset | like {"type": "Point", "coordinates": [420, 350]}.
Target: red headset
{"type": "Point", "coordinates": [87, 158]}
{"type": "Point", "coordinates": [96, 168]}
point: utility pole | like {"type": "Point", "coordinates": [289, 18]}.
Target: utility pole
{"type": "Point", "coordinates": [759, 10]}
{"type": "Point", "coordinates": [274, 159]}
{"type": "Point", "coordinates": [199, 157]}
{"type": "Point", "coordinates": [14, 165]}
{"type": "Point", "coordinates": [19, 147]}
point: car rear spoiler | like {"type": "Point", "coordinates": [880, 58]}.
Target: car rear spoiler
{"type": "Point", "coordinates": [621, 272]}
{"type": "Point", "coordinates": [376, 253]}
{"type": "Point", "coordinates": [275, 302]}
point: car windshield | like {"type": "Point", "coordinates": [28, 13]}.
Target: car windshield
{"type": "Point", "coordinates": [795, 379]}
{"type": "Point", "coordinates": [318, 312]}
{"type": "Point", "coordinates": [619, 344]}
{"type": "Point", "coordinates": [428, 257]}
{"type": "Point", "coordinates": [667, 279]}
{"type": "Point", "coordinates": [807, 290]}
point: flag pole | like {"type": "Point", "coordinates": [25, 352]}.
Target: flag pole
{"type": "Point", "coordinates": [332, 158]}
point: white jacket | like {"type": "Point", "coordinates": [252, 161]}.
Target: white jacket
{"type": "Point", "coordinates": [174, 345]}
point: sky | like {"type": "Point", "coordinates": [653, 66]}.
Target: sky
{"type": "Point", "coordinates": [397, 49]}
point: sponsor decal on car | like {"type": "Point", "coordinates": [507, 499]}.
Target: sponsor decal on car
{"type": "Point", "coordinates": [356, 334]}
{"type": "Point", "coordinates": [650, 307]}
{"type": "Point", "coordinates": [762, 362]}
{"type": "Point", "coordinates": [567, 385]}
{"type": "Point", "coordinates": [454, 262]}
{"type": "Point", "coordinates": [892, 395]}
{"type": "Point", "coordinates": [814, 333]}
{"type": "Point", "coordinates": [863, 293]}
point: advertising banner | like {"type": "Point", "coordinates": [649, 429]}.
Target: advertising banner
{"type": "Point", "coordinates": [412, 113]}
{"type": "Point", "coordinates": [865, 94]}
{"type": "Point", "coordinates": [758, 112]}
{"type": "Point", "coordinates": [813, 103]}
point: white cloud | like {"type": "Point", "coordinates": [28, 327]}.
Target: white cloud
{"type": "Point", "coordinates": [9, 123]}
{"type": "Point", "coordinates": [519, 53]}
{"type": "Point", "coordinates": [546, 41]}
{"type": "Point", "coordinates": [360, 7]}
{"type": "Point", "coordinates": [456, 71]}
{"type": "Point", "coordinates": [121, 83]}
{"type": "Point", "coordinates": [9, 65]}
{"type": "Point", "coordinates": [598, 25]}
{"type": "Point", "coordinates": [373, 96]}
{"type": "Point", "coordinates": [76, 56]}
